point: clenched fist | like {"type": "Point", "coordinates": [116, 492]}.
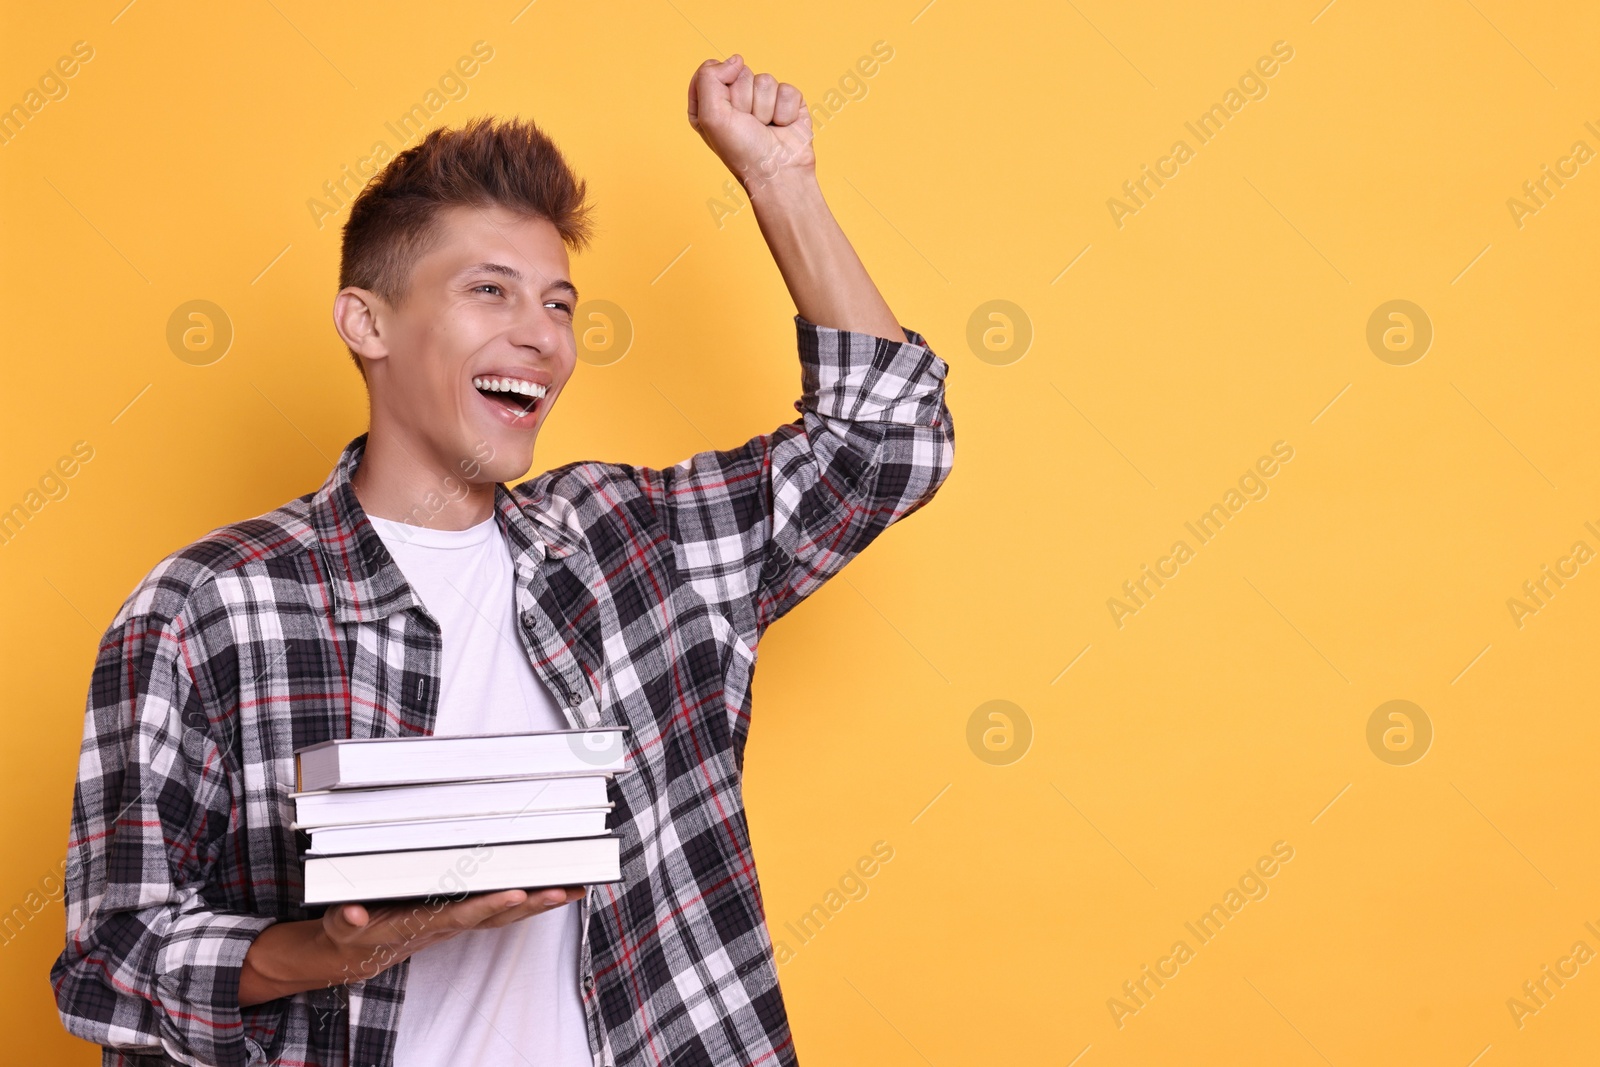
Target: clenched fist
{"type": "Point", "coordinates": [760, 127]}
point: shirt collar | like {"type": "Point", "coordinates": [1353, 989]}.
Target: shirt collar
{"type": "Point", "coordinates": [365, 581]}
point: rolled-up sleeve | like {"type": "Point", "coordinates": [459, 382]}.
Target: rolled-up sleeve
{"type": "Point", "coordinates": [148, 966]}
{"type": "Point", "coordinates": [758, 528]}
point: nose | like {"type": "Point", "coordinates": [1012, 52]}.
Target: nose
{"type": "Point", "coordinates": [539, 328]}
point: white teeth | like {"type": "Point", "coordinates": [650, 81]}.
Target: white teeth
{"type": "Point", "coordinates": [510, 385]}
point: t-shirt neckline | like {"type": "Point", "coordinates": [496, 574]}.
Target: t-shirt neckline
{"type": "Point", "coordinates": [429, 537]}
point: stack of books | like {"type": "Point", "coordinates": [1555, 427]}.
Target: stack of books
{"type": "Point", "coordinates": [417, 817]}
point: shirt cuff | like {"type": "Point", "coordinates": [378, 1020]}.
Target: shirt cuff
{"type": "Point", "coordinates": [861, 377]}
{"type": "Point", "coordinates": [197, 982]}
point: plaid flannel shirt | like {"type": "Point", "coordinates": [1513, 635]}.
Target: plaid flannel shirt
{"type": "Point", "coordinates": [642, 595]}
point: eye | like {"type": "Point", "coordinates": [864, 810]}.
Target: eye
{"type": "Point", "coordinates": [562, 305]}
{"type": "Point", "coordinates": [487, 285]}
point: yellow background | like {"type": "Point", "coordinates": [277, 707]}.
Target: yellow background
{"type": "Point", "coordinates": [1227, 715]}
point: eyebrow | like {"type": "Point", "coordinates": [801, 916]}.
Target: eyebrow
{"type": "Point", "coordinates": [516, 275]}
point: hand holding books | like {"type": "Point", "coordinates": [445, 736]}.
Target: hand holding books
{"type": "Point", "coordinates": [478, 831]}
{"type": "Point", "coordinates": [354, 942]}
{"type": "Point", "coordinates": [372, 938]}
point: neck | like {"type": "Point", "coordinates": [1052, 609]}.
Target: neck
{"type": "Point", "coordinates": [399, 481]}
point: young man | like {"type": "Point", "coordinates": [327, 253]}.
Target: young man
{"type": "Point", "coordinates": [418, 593]}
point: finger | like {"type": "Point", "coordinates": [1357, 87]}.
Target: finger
{"type": "Point", "coordinates": [468, 912]}
{"type": "Point", "coordinates": [765, 97]}
{"type": "Point", "coordinates": [378, 923]}
{"type": "Point", "coordinates": [411, 924]}
{"type": "Point", "coordinates": [533, 905]}
{"type": "Point", "coordinates": [537, 904]}
{"type": "Point", "coordinates": [742, 91]}
{"type": "Point", "coordinates": [556, 896]}
{"type": "Point", "coordinates": [705, 87]}
{"type": "Point", "coordinates": [787, 109]}
{"type": "Point", "coordinates": [506, 900]}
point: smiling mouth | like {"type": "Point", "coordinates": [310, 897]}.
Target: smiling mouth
{"type": "Point", "coordinates": [517, 396]}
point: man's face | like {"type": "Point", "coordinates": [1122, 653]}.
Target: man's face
{"type": "Point", "coordinates": [480, 347]}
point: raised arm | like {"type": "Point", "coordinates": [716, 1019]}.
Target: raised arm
{"type": "Point", "coordinates": [761, 129]}
{"type": "Point", "coordinates": [758, 528]}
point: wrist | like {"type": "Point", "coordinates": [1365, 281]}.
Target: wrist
{"type": "Point", "coordinates": [287, 958]}
{"type": "Point", "coordinates": [783, 188]}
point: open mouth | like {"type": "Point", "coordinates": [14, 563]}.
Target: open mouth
{"type": "Point", "coordinates": [516, 397]}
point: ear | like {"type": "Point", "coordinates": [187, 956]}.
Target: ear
{"type": "Point", "coordinates": [358, 315]}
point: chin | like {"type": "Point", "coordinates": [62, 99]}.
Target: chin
{"type": "Point", "coordinates": [510, 462]}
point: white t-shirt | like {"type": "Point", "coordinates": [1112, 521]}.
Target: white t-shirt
{"type": "Point", "coordinates": [506, 996]}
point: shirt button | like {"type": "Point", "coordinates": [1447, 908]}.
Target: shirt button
{"type": "Point", "coordinates": [588, 982]}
